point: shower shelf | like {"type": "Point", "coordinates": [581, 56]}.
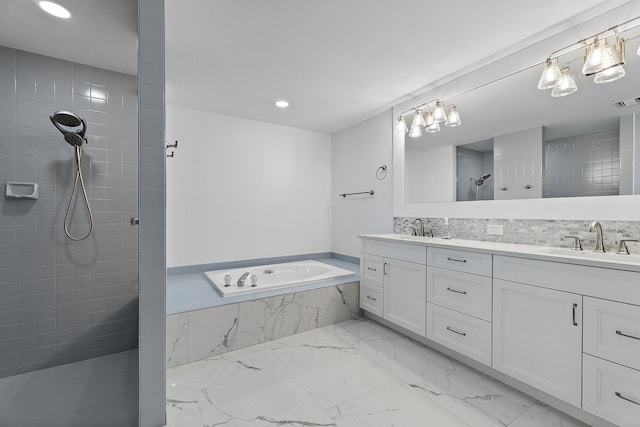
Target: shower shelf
{"type": "Point", "coordinates": [22, 190]}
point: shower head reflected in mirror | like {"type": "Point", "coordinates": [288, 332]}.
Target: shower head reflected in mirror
{"type": "Point", "coordinates": [482, 179]}
{"type": "Point", "coordinates": [67, 122]}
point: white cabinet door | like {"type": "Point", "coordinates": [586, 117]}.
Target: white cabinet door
{"type": "Point", "coordinates": [537, 338]}
{"type": "Point", "coordinates": [405, 294]}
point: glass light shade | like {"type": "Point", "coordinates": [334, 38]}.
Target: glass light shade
{"type": "Point", "coordinates": [610, 75]}
{"type": "Point", "coordinates": [549, 75]}
{"type": "Point", "coordinates": [439, 114]}
{"type": "Point", "coordinates": [600, 57]}
{"type": "Point", "coordinates": [428, 118]}
{"type": "Point", "coordinates": [565, 85]}
{"type": "Point", "coordinates": [401, 126]}
{"type": "Point", "coordinates": [435, 127]}
{"type": "Point", "coordinates": [418, 120]}
{"type": "Point", "coordinates": [416, 131]}
{"type": "Point", "coordinates": [453, 118]}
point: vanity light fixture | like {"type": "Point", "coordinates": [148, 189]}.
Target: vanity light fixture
{"type": "Point", "coordinates": [602, 60]}
{"type": "Point", "coordinates": [54, 9]}
{"type": "Point", "coordinates": [428, 116]}
{"type": "Point", "coordinates": [565, 85]}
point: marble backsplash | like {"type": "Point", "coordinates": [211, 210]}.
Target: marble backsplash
{"type": "Point", "coordinates": [199, 334]}
{"type": "Point", "coordinates": [530, 231]}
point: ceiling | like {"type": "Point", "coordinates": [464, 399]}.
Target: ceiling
{"type": "Point", "coordinates": [102, 33]}
{"type": "Point", "coordinates": [337, 62]}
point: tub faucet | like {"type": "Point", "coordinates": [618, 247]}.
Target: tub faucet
{"type": "Point", "coordinates": [597, 227]}
{"type": "Point", "coordinates": [242, 279]}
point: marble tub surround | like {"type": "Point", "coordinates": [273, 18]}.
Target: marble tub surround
{"type": "Point", "coordinates": [535, 232]}
{"type": "Point", "coordinates": [354, 373]}
{"type": "Point", "coordinates": [189, 290]}
{"type": "Point", "coordinates": [203, 333]}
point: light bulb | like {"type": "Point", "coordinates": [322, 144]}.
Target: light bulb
{"type": "Point", "coordinates": [428, 118]}
{"type": "Point", "coordinates": [599, 58]}
{"type": "Point", "coordinates": [549, 75]}
{"type": "Point", "coordinates": [439, 114]}
{"type": "Point", "coordinates": [435, 127]}
{"type": "Point", "coordinates": [453, 119]}
{"type": "Point", "coordinates": [610, 75]}
{"type": "Point", "coordinates": [565, 85]}
{"type": "Point", "coordinates": [401, 126]}
{"type": "Point", "coordinates": [54, 9]}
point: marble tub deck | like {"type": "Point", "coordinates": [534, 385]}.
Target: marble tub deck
{"type": "Point", "coordinates": [192, 291]}
{"type": "Point", "coordinates": [354, 373]}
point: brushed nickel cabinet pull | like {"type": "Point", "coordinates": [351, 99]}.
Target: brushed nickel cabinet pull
{"type": "Point", "coordinates": [371, 298]}
{"type": "Point", "coordinates": [456, 260]}
{"type": "Point", "coordinates": [456, 332]}
{"type": "Point", "coordinates": [456, 291]}
{"type": "Point", "coordinates": [575, 306]}
{"type": "Point", "coordinates": [626, 398]}
{"type": "Point", "coordinates": [625, 335]}
{"type": "Point", "coordinates": [372, 269]}
{"type": "Point", "coordinates": [384, 268]}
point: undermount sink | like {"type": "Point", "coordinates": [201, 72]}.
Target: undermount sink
{"type": "Point", "coordinates": [588, 253]}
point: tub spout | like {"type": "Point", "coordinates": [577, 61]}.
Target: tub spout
{"type": "Point", "coordinates": [242, 279]}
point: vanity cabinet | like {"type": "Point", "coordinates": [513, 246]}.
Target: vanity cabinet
{"type": "Point", "coordinates": [537, 338]}
{"type": "Point", "coordinates": [393, 283]}
{"type": "Point", "coordinates": [459, 301]}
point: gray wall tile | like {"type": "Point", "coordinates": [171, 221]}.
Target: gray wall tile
{"type": "Point", "coordinates": [53, 292]}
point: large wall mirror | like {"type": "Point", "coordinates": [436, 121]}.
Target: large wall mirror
{"type": "Point", "coordinates": [517, 142]}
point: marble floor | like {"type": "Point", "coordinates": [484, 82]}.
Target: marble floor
{"type": "Point", "coordinates": [92, 393]}
{"type": "Point", "coordinates": [354, 373]}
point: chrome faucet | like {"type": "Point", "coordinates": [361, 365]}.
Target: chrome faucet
{"type": "Point", "coordinates": [419, 231]}
{"type": "Point", "coordinates": [242, 279]}
{"type": "Point", "coordinates": [597, 227]}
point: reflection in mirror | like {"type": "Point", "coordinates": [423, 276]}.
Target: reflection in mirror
{"type": "Point", "coordinates": [474, 161]}
{"type": "Point", "coordinates": [578, 145]}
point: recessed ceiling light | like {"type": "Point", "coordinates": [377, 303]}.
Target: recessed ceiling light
{"type": "Point", "coordinates": [54, 9]}
{"type": "Point", "coordinates": [281, 103]}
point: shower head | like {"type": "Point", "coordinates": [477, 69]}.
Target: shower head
{"type": "Point", "coordinates": [65, 121]}
{"type": "Point", "coordinates": [481, 180]}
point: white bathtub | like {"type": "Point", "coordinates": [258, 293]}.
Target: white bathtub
{"type": "Point", "coordinates": [273, 276]}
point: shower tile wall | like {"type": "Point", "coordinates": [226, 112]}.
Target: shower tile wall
{"type": "Point", "coordinates": [63, 301]}
{"type": "Point", "coordinates": [584, 165]}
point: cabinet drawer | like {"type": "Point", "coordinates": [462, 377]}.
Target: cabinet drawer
{"type": "Point", "coordinates": [463, 292]}
{"type": "Point", "coordinates": [612, 331]}
{"type": "Point", "coordinates": [371, 298]}
{"type": "Point", "coordinates": [611, 391]}
{"type": "Point", "coordinates": [464, 261]}
{"type": "Point", "coordinates": [371, 269]}
{"type": "Point", "coordinates": [464, 334]}
{"type": "Point", "coordinates": [402, 251]}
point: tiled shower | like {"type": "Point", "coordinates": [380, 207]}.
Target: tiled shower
{"type": "Point", "coordinates": [63, 301]}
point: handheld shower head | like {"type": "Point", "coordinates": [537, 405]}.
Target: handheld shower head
{"type": "Point", "coordinates": [481, 180]}
{"type": "Point", "coordinates": [65, 121]}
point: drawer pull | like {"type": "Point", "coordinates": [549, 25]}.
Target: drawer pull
{"type": "Point", "coordinates": [575, 306]}
{"type": "Point", "coordinates": [626, 398]}
{"type": "Point", "coordinates": [456, 332]}
{"type": "Point", "coordinates": [456, 291]}
{"type": "Point", "coordinates": [371, 298]}
{"type": "Point", "coordinates": [372, 269]}
{"type": "Point", "coordinates": [625, 335]}
{"type": "Point", "coordinates": [456, 260]}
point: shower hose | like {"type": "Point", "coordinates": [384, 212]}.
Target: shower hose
{"type": "Point", "coordinates": [78, 177]}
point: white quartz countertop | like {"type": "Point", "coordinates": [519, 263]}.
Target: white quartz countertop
{"type": "Point", "coordinates": [545, 253]}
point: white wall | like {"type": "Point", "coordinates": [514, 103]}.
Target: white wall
{"type": "Point", "coordinates": [240, 189]}
{"type": "Point", "coordinates": [357, 152]}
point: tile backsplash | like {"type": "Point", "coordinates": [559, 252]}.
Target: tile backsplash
{"type": "Point", "coordinates": [530, 231]}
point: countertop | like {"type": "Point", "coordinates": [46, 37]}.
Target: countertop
{"type": "Point", "coordinates": [586, 257]}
